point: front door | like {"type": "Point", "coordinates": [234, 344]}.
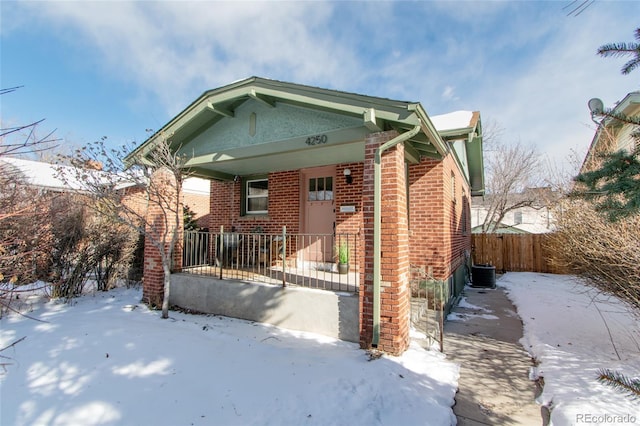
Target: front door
{"type": "Point", "coordinates": [319, 213]}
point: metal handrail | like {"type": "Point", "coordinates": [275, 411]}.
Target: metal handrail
{"type": "Point", "coordinates": [287, 259]}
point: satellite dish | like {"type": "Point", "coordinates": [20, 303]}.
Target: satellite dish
{"type": "Point", "coordinates": [596, 106]}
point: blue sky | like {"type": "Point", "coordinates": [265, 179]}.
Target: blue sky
{"type": "Point", "coordinates": [114, 69]}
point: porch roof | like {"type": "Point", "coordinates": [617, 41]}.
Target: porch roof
{"type": "Point", "coordinates": [465, 127]}
{"type": "Point", "coordinates": [258, 125]}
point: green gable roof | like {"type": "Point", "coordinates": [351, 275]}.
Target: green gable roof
{"type": "Point", "coordinates": [259, 125]}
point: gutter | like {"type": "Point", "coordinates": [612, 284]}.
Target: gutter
{"type": "Point", "coordinates": [377, 224]}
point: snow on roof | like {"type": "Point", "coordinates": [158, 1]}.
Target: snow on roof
{"type": "Point", "coordinates": [534, 228]}
{"type": "Point", "coordinates": [45, 175]}
{"type": "Point", "coordinates": [64, 178]}
{"type": "Point", "coordinates": [59, 177]}
{"type": "Point", "coordinates": [452, 120]}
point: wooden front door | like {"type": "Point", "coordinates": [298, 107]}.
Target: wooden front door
{"type": "Point", "coordinates": [319, 213]}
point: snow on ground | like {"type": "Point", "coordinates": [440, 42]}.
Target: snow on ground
{"type": "Point", "coordinates": [105, 359]}
{"type": "Point", "coordinates": [464, 303]}
{"type": "Point", "coordinates": [573, 331]}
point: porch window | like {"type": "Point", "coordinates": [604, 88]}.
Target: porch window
{"type": "Point", "coordinates": [257, 196]}
{"type": "Point", "coordinates": [321, 189]}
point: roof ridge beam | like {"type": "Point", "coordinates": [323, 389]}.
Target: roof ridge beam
{"type": "Point", "coordinates": [262, 99]}
{"type": "Point", "coordinates": [220, 111]}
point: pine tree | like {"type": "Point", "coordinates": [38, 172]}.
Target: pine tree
{"type": "Point", "coordinates": [617, 183]}
{"type": "Point", "coordinates": [624, 49]}
{"type": "Point", "coordinates": [189, 216]}
{"type": "Point", "coordinates": [615, 186]}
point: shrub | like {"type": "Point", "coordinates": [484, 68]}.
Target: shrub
{"type": "Point", "coordinates": [605, 253]}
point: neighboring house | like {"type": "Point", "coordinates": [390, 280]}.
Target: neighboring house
{"type": "Point", "coordinates": [310, 169]}
{"type": "Point", "coordinates": [196, 196]}
{"type": "Point", "coordinates": [63, 178]}
{"type": "Point", "coordinates": [42, 175]}
{"type": "Point", "coordinates": [535, 219]}
{"type": "Point", "coordinates": [614, 135]}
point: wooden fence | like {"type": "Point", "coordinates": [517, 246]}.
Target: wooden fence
{"type": "Point", "coordinates": [514, 252]}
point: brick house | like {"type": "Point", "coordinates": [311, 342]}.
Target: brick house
{"type": "Point", "coordinates": [536, 218]}
{"type": "Point", "coordinates": [305, 169]}
{"type": "Point", "coordinates": [196, 197]}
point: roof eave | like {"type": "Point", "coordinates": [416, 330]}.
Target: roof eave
{"type": "Point", "coordinates": [396, 113]}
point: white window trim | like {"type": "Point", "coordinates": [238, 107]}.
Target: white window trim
{"type": "Point", "coordinates": [248, 197]}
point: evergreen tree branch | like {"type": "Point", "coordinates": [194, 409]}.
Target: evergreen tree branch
{"type": "Point", "coordinates": [623, 49]}
{"type": "Point", "coordinates": [620, 382]}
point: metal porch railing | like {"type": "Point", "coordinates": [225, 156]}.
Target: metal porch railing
{"type": "Point", "coordinates": [429, 299]}
{"type": "Point", "coordinates": [304, 260]}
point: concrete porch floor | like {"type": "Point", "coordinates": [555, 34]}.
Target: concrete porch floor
{"type": "Point", "coordinates": [494, 385]}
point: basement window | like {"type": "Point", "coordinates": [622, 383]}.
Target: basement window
{"type": "Point", "coordinates": [257, 196]}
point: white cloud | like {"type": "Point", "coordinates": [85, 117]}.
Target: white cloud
{"type": "Point", "coordinates": [449, 93]}
{"type": "Point", "coordinates": [523, 64]}
{"type": "Point", "coordinates": [545, 104]}
{"type": "Point", "coordinates": [176, 50]}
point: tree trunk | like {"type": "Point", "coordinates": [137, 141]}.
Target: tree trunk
{"type": "Point", "coordinates": [167, 287]}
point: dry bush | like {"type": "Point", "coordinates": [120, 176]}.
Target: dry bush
{"type": "Point", "coordinates": [113, 247]}
{"type": "Point", "coordinates": [606, 253]}
{"type": "Point", "coordinates": [24, 231]}
{"type": "Point", "coordinates": [71, 248]}
{"type": "Point", "coordinates": [88, 244]}
{"type": "Point", "coordinates": [58, 238]}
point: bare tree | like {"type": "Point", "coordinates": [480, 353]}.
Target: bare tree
{"type": "Point", "coordinates": [143, 195]}
{"type": "Point", "coordinates": [511, 170]}
{"type": "Point", "coordinates": [22, 139]}
{"type": "Point", "coordinates": [23, 229]}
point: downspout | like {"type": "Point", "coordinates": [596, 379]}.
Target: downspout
{"type": "Point", "coordinates": [377, 224]}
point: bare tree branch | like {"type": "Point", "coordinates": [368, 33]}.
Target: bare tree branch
{"type": "Point", "coordinates": [510, 171]}
{"type": "Point", "coordinates": [114, 188]}
{"type": "Point", "coordinates": [21, 139]}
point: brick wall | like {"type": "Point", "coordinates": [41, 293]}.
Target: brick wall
{"type": "Point", "coordinates": [160, 221]}
{"type": "Point", "coordinates": [222, 206]}
{"type": "Point", "coordinates": [199, 204]}
{"type": "Point", "coordinates": [350, 223]}
{"type": "Point", "coordinates": [284, 206]}
{"type": "Point", "coordinates": [394, 293]}
{"type": "Point", "coordinates": [440, 218]}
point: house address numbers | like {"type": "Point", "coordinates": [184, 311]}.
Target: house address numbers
{"type": "Point", "coordinates": [316, 140]}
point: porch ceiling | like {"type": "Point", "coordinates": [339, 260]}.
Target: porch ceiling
{"type": "Point", "coordinates": [207, 130]}
{"type": "Point", "coordinates": [244, 162]}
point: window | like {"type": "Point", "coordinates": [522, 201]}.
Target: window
{"type": "Point", "coordinates": [321, 189]}
{"type": "Point", "coordinates": [257, 196]}
{"type": "Point", "coordinates": [465, 207]}
{"type": "Point", "coordinates": [453, 187]}
{"type": "Point", "coordinates": [517, 218]}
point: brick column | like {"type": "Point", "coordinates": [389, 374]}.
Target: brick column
{"type": "Point", "coordinates": [395, 294]}
{"type": "Point", "coordinates": [160, 222]}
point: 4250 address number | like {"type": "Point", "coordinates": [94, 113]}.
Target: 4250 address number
{"type": "Point", "coordinates": [316, 140]}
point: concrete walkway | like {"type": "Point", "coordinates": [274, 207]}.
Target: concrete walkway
{"type": "Point", "coordinates": [482, 335]}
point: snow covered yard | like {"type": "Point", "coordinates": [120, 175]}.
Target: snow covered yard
{"type": "Point", "coordinates": [573, 331]}
{"type": "Point", "coordinates": [105, 359]}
